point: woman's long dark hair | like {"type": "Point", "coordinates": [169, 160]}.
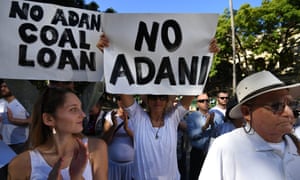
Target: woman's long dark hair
{"type": "Point", "coordinates": [48, 102]}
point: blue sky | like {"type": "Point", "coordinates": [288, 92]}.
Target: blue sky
{"type": "Point", "coordinates": [172, 6]}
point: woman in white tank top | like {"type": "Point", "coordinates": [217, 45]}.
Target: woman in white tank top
{"type": "Point", "coordinates": [58, 150]}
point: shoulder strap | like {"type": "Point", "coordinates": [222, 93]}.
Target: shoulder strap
{"type": "Point", "coordinates": [119, 126]}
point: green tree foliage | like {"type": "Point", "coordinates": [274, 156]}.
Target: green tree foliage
{"type": "Point", "coordinates": [267, 37]}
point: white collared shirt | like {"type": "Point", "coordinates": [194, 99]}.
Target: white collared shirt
{"type": "Point", "coordinates": [238, 155]}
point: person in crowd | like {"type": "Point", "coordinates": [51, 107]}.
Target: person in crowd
{"type": "Point", "coordinates": [263, 149]}
{"type": "Point", "coordinates": [15, 120]}
{"type": "Point", "coordinates": [93, 124]}
{"type": "Point", "coordinates": [3, 112]}
{"type": "Point", "coordinates": [119, 136]}
{"type": "Point", "coordinates": [200, 125]}
{"type": "Point", "coordinates": [58, 150]}
{"type": "Point", "coordinates": [155, 130]}
{"type": "Point", "coordinates": [229, 123]}
{"type": "Point", "coordinates": [183, 146]}
{"type": "Point", "coordinates": [220, 108]}
{"type": "Point", "coordinates": [155, 135]}
{"type": "Point", "coordinates": [183, 150]}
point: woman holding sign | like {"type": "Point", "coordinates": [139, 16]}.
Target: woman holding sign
{"type": "Point", "coordinates": [155, 130]}
{"type": "Point", "coordinates": [58, 150]}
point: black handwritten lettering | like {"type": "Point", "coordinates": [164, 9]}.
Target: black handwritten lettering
{"type": "Point", "coordinates": [171, 47]}
{"type": "Point", "coordinates": [72, 18]}
{"type": "Point", "coordinates": [149, 38]}
{"type": "Point", "coordinates": [59, 17]}
{"type": "Point", "coordinates": [45, 35]}
{"type": "Point", "coordinates": [84, 21]}
{"type": "Point", "coordinates": [67, 57]}
{"type": "Point", "coordinates": [204, 69]}
{"type": "Point", "coordinates": [95, 22]}
{"type": "Point", "coordinates": [36, 12]}
{"type": "Point", "coordinates": [46, 57]}
{"type": "Point", "coordinates": [26, 37]}
{"type": "Point", "coordinates": [165, 72]}
{"type": "Point", "coordinates": [22, 56]}
{"type": "Point", "coordinates": [82, 40]}
{"type": "Point", "coordinates": [67, 37]}
{"type": "Point", "coordinates": [87, 61]}
{"type": "Point", "coordinates": [121, 69]}
{"type": "Point", "coordinates": [152, 37]}
{"type": "Point", "coordinates": [184, 72]}
{"type": "Point", "coordinates": [139, 71]}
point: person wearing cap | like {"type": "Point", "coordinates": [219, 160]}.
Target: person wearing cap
{"type": "Point", "coordinates": [263, 149]}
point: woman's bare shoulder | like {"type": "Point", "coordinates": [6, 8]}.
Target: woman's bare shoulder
{"type": "Point", "coordinates": [96, 143]}
{"type": "Point", "coordinates": [20, 166]}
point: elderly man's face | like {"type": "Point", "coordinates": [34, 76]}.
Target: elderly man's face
{"type": "Point", "coordinates": [271, 115]}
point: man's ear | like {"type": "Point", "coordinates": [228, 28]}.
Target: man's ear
{"type": "Point", "coordinates": [246, 111]}
{"type": "Point", "coordinates": [48, 119]}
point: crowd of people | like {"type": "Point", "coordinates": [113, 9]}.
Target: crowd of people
{"type": "Point", "coordinates": [248, 136]}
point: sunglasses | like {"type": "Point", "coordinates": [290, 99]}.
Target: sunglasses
{"type": "Point", "coordinates": [224, 98]}
{"type": "Point", "coordinates": [203, 100]}
{"type": "Point", "coordinates": [278, 107]}
{"type": "Point", "coordinates": [158, 97]}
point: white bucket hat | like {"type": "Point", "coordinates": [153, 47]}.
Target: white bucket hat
{"type": "Point", "coordinates": [257, 84]}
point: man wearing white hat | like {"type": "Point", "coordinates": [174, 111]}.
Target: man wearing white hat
{"type": "Point", "coordinates": [262, 149]}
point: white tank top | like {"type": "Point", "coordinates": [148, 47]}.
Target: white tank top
{"type": "Point", "coordinates": [40, 168]}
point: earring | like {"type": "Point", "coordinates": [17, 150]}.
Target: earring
{"type": "Point", "coordinates": [53, 131]}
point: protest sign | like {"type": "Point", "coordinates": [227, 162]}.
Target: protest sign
{"type": "Point", "coordinates": [158, 53]}
{"type": "Point", "coordinates": [43, 41]}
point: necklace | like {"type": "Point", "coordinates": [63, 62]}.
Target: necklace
{"type": "Point", "coordinates": [156, 134]}
{"type": "Point", "coordinates": [160, 125]}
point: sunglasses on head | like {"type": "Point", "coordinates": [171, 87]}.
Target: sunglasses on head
{"type": "Point", "coordinates": [156, 97]}
{"type": "Point", "coordinates": [203, 100]}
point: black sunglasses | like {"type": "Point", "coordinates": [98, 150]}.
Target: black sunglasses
{"type": "Point", "coordinates": [156, 97]}
{"type": "Point", "coordinates": [203, 100]}
{"type": "Point", "coordinates": [224, 98]}
{"type": "Point", "coordinates": [278, 107]}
